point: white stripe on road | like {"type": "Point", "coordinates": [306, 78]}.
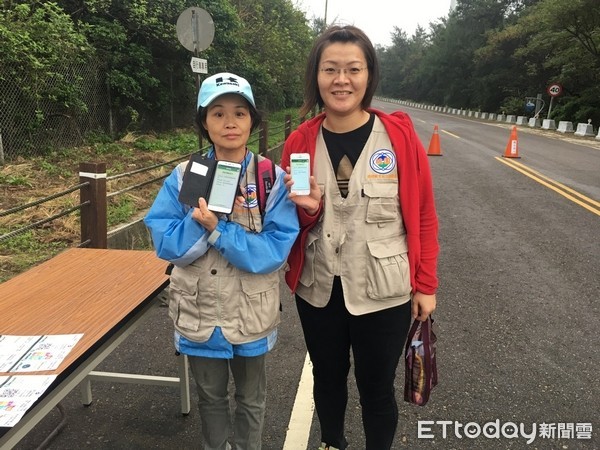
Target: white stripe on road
{"type": "Point", "coordinates": [302, 412]}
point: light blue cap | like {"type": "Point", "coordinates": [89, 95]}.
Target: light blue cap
{"type": "Point", "coordinates": [224, 83]}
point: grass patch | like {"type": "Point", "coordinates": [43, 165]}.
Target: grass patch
{"type": "Point", "coordinates": [15, 180]}
{"type": "Point", "coordinates": [120, 210]}
{"type": "Point", "coordinates": [113, 149]}
{"type": "Point", "coordinates": [180, 141]}
{"type": "Point", "coordinates": [23, 251]}
{"type": "Point", "coordinates": [53, 170]}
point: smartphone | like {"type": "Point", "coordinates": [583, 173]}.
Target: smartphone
{"type": "Point", "coordinates": [300, 171]}
{"type": "Point", "coordinates": [225, 186]}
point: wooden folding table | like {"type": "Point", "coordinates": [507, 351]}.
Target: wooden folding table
{"type": "Point", "coordinates": [102, 293]}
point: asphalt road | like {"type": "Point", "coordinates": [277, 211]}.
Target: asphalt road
{"type": "Point", "coordinates": [517, 320]}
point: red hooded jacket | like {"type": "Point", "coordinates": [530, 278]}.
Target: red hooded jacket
{"type": "Point", "coordinates": [415, 190]}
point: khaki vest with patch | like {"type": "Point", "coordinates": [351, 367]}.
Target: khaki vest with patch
{"type": "Point", "coordinates": [211, 292]}
{"type": "Point", "coordinates": [360, 238]}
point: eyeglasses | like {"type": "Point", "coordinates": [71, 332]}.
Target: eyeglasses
{"type": "Point", "coordinates": [348, 71]}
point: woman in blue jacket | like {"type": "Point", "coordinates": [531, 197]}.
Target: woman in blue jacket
{"type": "Point", "coordinates": [224, 290]}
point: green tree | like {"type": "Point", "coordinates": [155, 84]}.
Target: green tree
{"type": "Point", "coordinates": [38, 42]}
{"type": "Point", "coordinates": [558, 41]}
{"type": "Point", "coordinates": [148, 69]}
{"type": "Point", "coordinates": [465, 32]}
{"type": "Point", "coordinates": [414, 81]}
{"type": "Point", "coordinates": [392, 61]}
{"type": "Point", "coordinates": [137, 44]}
{"type": "Point", "coordinates": [39, 47]}
{"type": "Point", "coordinates": [275, 56]}
{"type": "Point", "coordinates": [440, 66]}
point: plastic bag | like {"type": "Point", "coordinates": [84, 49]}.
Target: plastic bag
{"type": "Point", "coordinates": [420, 362]}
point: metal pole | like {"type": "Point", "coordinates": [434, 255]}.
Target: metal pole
{"type": "Point", "coordinates": [111, 127]}
{"type": "Point", "coordinates": [263, 137]}
{"type": "Point", "coordinates": [1, 151]}
{"type": "Point", "coordinates": [538, 105]}
{"type": "Point", "coordinates": [196, 34]}
{"type": "Point", "coordinates": [171, 95]}
{"type": "Point", "coordinates": [325, 18]}
{"type": "Point", "coordinates": [550, 107]}
{"type": "Point", "coordinates": [288, 125]}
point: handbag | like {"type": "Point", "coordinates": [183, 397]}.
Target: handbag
{"type": "Point", "coordinates": [420, 375]}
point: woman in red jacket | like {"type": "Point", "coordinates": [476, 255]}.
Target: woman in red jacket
{"type": "Point", "coordinates": [365, 261]}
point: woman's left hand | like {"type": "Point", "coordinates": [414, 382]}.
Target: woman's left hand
{"type": "Point", "coordinates": [423, 305]}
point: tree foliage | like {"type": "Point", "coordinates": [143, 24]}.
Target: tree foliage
{"type": "Point", "coordinates": [36, 41]}
{"type": "Point", "coordinates": [486, 54]}
{"type": "Point", "coordinates": [274, 39]}
{"type": "Point", "coordinates": [147, 69]}
{"type": "Point", "coordinates": [491, 55]}
{"type": "Point", "coordinates": [564, 41]}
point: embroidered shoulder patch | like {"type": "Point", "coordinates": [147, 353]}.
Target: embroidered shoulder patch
{"type": "Point", "coordinates": [250, 195]}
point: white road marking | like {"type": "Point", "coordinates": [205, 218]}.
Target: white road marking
{"type": "Point", "coordinates": [302, 412]}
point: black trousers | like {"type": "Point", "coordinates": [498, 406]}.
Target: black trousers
{"type": "Point", "coordinates": [377, 342]}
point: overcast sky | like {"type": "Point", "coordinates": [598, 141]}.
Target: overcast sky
{"type": "Point", "coordinates": [377, 18]}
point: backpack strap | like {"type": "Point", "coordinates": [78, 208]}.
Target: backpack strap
{"type": "Point", "coordinates": [265, 180]}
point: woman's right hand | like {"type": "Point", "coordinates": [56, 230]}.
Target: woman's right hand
{"type": "Point", "coordinates": [310, 203]}
{"type": "Point", "coordinates": [204, 216]}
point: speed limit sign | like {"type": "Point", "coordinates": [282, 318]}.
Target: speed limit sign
{"type": "Point", "coordinates": [554, 90]}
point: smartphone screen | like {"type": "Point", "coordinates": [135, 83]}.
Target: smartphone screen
{"type": "Point", "coordinates": [225, 186]}
{"type": "Point", "coordinates": [300, 171]}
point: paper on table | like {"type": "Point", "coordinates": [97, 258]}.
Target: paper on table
{"type": "Point", "coordinates": [18, 394]}
{"type": "Point", "coordinates": [12, 348]}
{"type": "Point", "coordinates": [35, 353]}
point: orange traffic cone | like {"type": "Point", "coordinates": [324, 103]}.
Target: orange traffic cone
{"type": "Point", "coordinates": [434, 144]}
{"type": "Point", "coordinates": [512, 148]}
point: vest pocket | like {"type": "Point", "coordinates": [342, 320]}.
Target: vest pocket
{"type": "Point", "coordinates": [307, 277]}
{"type": "Point", "coordinates": [383, 204]}
{"type": "Point", "coordinates": [260, 303]}
{"type": "Point", "coordinates": [388, 273]}
{"type": "Point", "coordinates": [183, 298]}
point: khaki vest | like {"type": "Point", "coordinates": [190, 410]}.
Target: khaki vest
{"type": "Point", "coordinates": [211, 292]}
{"type": "Point", "coordinates": [360, 238]}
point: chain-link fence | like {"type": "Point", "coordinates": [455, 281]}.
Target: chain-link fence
{"type": "Point", "coordinates": [65, 109]}
{"type": "Point", "coordinates": [33, 119]}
